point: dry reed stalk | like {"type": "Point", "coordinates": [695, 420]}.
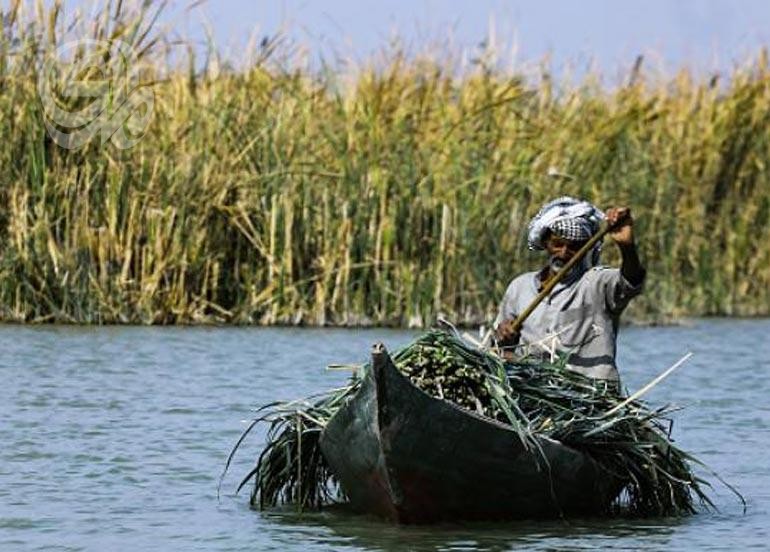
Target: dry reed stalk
{"type": "Point", "coordinates": [279, 195]}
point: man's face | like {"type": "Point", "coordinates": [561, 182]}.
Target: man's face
{"type": "Point", "coordinates": [560, 250]}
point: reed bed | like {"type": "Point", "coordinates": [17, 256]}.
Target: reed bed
{"type": "Point", "coordinates": [536, 399]}
{"type": "Point", "coordinates": [385, 194]}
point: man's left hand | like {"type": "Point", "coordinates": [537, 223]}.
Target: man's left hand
{"type": "Point", "coordinates": [620, 219]}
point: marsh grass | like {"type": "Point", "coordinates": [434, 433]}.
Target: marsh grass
{"type": "Point", "coordinates": [278, 194]}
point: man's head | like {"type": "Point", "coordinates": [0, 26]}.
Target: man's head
{"type": "Point", "coordinates": [562, 226]}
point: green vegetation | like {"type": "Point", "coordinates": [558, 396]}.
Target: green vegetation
{"type": "Point", "coordinates": [542, 399]}
{"type": "Point", "coordinates": [281, 195]}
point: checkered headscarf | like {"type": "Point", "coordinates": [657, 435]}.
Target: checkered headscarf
{"type": "Point", "coordinates": [575, 230]}
{"type": "Point", "coordinates": [568, 218]}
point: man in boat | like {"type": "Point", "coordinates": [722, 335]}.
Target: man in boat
{"type": "Point", "coordinates": [580, 316]}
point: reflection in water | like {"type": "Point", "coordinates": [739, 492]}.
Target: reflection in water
{"type": "Point", "coordinates": [343, 529]}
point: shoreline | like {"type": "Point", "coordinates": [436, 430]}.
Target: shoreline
{"type": "Point", "coordinates": [684, 321]}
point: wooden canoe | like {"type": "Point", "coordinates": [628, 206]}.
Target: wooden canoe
{"type": "Point", "coordinates": [403, 455]}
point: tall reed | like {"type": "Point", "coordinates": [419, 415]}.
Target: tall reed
{"type": "Point", "coordinates": [278, 194]}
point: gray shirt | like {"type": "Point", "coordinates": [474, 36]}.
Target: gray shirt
{"type": "Point", "coordinates": [580, 318]}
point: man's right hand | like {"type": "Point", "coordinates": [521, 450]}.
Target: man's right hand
{"type": "Point", "coordinates": [507, 335]}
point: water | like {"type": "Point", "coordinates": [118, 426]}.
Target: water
{"type": "Point", "coordinates": [114, 439]}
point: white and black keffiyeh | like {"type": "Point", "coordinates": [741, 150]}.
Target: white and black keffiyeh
{"type": "Point", "coordinates": [568, 218]}
{"type": "Point", "coordinates": [575, 230]}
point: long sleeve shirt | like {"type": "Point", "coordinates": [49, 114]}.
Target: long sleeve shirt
{"type": "Point", "coordinates": [579, 318]}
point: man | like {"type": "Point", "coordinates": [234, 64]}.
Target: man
{"type": "Point", "coordinates": [580, 317]}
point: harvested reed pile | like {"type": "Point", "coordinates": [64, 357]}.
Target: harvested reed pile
{"type": "Point", "coordinates": [291, 468]}
{"type": "Point", "coordinates": [537, 399]}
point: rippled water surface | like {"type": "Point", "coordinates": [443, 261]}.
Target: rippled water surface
{"type": "Point", "coordinates": [114, 439]}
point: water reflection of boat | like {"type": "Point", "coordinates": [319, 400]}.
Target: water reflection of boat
{"type": "Point", "coordinates": [338, 528]}
{"type": "Point", "coordinates": [409, 457]}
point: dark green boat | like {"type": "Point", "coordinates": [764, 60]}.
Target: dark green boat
{"type": "Point", "coordinates": [408, 457]}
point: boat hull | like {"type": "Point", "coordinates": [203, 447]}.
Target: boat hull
{"type": "Point", "coordinates": [408, 457]}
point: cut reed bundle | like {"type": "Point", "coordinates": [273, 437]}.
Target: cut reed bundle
{"type": "Point", "coordinates": [627, 438]}
{"type": "Point", "coordinates": [291, 468]}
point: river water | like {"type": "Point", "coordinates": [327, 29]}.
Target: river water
{"type": "Point", "coordinates": [114, 439]}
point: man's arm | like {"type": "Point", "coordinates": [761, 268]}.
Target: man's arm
{"type": "Point", "coordinates": [631, 267]}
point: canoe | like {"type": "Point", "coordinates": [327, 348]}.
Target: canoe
{"type": "Point", "coordinates": [408, 457]}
